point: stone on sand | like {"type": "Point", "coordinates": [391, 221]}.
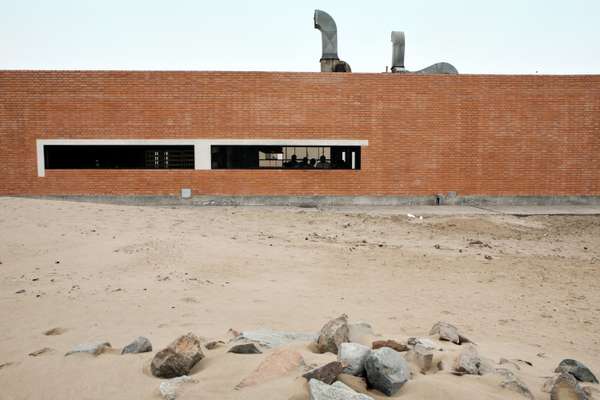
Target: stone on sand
{"type": "Point", "coordinates": [577, 369]}
{"type": "Point", "coordinates": [423, 357]}
{"type": "Point", "coordinates": [326, 373]}
{"type": "Point", "coordinates": [448, 332]}
{"type": "Point", "coordinates": [511, 382]}
{"type": "Point", "coordinates": [337, 391]}
{"type": "Point", "coordinates": [170, 389]}
{"type": "Point", "coordinates": [469, 362]}
{"type": "Point", "coordinates": [94, 348]}
{"type": "Point", "coordinates": [425, 342]}
{"type": "Point", "coordinates": [178, 358]}
{"type": "Point", "coordinates": [389, 343]}
{"type": "Point", "coordinates": [566, 387]}
{"type": "Point", "coordinates": [245, 348]}
{"type": "Point", "coordinates": [386, 370]}
{"type": "Point", "coordinates": [214, 344]}
{"type": "Point", "coordinates": [353, 356]}
{"type": "Point", "coordinates": [139, 345]}
{"type": "Point", "coordinates": [333, 334]}
{"type": "Point", "coordinates": [277, 364]}
{"type": "Point", "coordinates": [268, 338]}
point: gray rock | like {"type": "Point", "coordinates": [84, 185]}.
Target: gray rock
{"type": "Point", "coordinates": [423, 357]}
{"type": "Point", "coordinates": [577, 369]}
{"type": "Point", "coordinates": [139, 345]}
{"type": "Point", "coordinates": [326, 373]}
{"type": "Point", "coordinates": [214, 344]}
{"type": "Point", "coordinates": [338, 391]}
{"type": "Point", "coordinates": [268, 338]}
{"type": "Point", "coordinates": [566, 387]}
{"type": "Point", "coordinates": [169, 389]}
{"type": "Point", "coordinates": [386, 370]}
{"type": "Point", "coordinates": [94, 348]}
{"type": "Point", "coordinates": [178, 358]}
{"type": "Point", "coordinates": [511, 382]}
{"type": "Point", "coordinates": [245, 348]}
{"type": "Point", "coordinates": [353, 356]}
{"type": "Point", "coordinates": [427, 343]}
{"type": "Point", "coordinates": [448, 332]}
{"type": "Point", "coordinates": [333, 334]}
{"type": "Point", "coordinates": [469, 362]}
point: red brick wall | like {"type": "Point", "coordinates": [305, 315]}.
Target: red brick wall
{"type": "Point", "coordinates": [473, 134]}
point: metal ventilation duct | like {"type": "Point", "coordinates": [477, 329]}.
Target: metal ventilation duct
{"type": "Point", "coordinates": [398, 45]}
{"type": "Point", "coordinates": [329, 53]}
{"type": "Point", "coordinates": [326, 25]}
{"type": "Point", "coordinates": [398, 41]}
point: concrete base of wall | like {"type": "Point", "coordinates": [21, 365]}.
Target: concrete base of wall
{"type": "Point", "coordinates": [324, 201]}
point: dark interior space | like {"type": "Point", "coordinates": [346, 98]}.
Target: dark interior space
{"type": "Point", "coordinates": [285, 157]}
{"type": "Point", "coordinates": [118, 157]}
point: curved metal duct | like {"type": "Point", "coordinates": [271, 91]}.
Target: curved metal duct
{"type": "Point", "coordinates": [398, 45]}
{"type": "Point", "coordinates": [326, 25]}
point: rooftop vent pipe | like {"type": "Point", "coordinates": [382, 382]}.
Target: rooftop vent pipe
{"type": "Point", "coordinates": [329, 56]}
{"type": "Point", "coordinates": [398, 44]}
{"type": "Point", "coordinates": [398, 51]}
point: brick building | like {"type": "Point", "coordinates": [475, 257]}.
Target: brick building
{"type": "Point", "coordinates": [236, 134]}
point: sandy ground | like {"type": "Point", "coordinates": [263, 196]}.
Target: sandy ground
{"type": "Point", "coordinates": [114, 272]}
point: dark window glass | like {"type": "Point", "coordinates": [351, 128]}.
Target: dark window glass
{"type": "Point", "coordinates": [118, 157]}
{"type": "Point", "coordinates": [285, 157]}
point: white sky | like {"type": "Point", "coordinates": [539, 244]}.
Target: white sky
{"type": "Point", "coordinates": [496, 37]}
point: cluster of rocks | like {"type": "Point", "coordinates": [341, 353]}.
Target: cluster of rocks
{"type": "Point", "coordinates": [567, 383]}
{"type": "Point", "coordinates": [388, 365]}
{"type": "Point", "coordinates": [384, 366]}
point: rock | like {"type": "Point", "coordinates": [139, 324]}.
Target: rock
{"type": "Point", "coordinates": [392, 344]}
{"type": "Point", "coordinates": [338, 391]}
{"type": "Point", "coordinates": [509, 362]}
{"type": "Point", "coordinates": [268, 338]}
{"type": "Point", "coordinates": [448, 332]}
{"type": "Point", "coordinates": [55, 331]}
{"type": "Point", "coordinates": [245, 348]}
{"type": "Point", "coordinates": [577, 369]}
{"type": "Point", "coordinates": [427, 343]}
{"type": "Point", "coordinates": [326, 373]}
{"type": "Point", "coordinates": [386, 370]}
{"type": "Point", "coordinates": [169, 389]}
{"type": "Point", "coordinates": [566, 387]}
{"type": "Point", "coordinates": [423, 357]}
{"type": "Point", "coordinates": [139, 345]}
{"type": "Point", "coordinates": [468, 361]}
{"type": "Point", "coordinates": [214, 344]}
{"type": "Point", "coordinates": [178, 358]}
{"type": "Point", "coordinates": [358, 331]}
{"type": "Point", "coordinates": [94, 348]}
{"type": "Point", "coordinates": [511, 382]}
{"type": "Point", "coordinates": [40, 352]}
{"type": "Point", "coordinates": [353, 356]}
{"type": "Point", "coordinates": [333, 334]}
{"type": "Point", "coordinates": [277, 364]}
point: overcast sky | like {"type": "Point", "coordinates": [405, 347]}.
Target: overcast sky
{"type": "Point", "coordinates": [477, 36]}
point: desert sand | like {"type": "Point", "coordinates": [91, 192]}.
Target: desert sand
{"type": "Point", "coordinates": [114, 272]}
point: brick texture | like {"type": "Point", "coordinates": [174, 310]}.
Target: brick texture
{"type": "Point", "coordinates": [473, 134]}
